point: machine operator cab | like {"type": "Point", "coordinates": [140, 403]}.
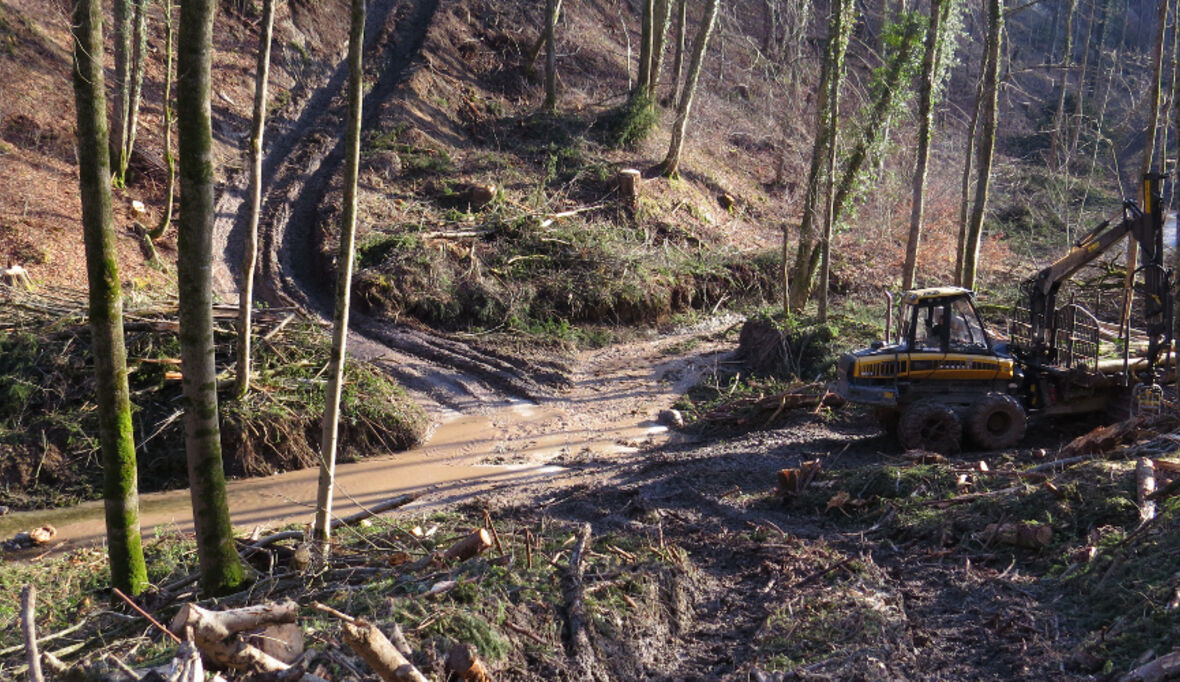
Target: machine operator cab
{"type": "Point", "coordinates": [942, 320]}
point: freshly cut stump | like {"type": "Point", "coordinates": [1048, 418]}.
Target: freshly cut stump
{"type": "Point", "coordinates": [997, 422]}
{"type": "Point", "coordinates": [930, 425]}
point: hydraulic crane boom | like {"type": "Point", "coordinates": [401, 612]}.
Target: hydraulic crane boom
{"type": "Point", "coordinates": [1146, 228]}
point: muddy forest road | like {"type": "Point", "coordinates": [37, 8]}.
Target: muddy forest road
{"type": "Point", "coordinates": [497, 421]}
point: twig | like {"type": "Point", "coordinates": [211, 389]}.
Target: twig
{"type": "Point", "coordinates": [820, 573]}
{"type": "Point", "coordinates": [526, 632]}
{"type": "Point", "coordinates": [145, 614]}
{"type": "Point", "coordinates": [333, 612]}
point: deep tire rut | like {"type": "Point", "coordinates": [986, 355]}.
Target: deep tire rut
{"type": "Point", "coordinates": [298, 170]}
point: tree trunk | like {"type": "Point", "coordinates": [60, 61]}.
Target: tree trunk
{"type": "Point", "coordinates": [645, 44]}
{"type": "Point", "coordinates": [136, 69]}
{"type": "Point", "coordinates": [965, 189]}
{"type": "Point", "coordinates": [166, 107]}
{"type": "Point", "coordinates": [1157, 63]}
{"type": "Point", "coordinates": [551, 8]}
{"type": "Point", "coordinates": [1060, 158]}
{"type": "Point", "coordinates": [221, 569]}
{"type": "Point", "coordinates": [925, 124]}
{"type": "Point", "coordinates": [658, 42]}
{"type": "Point", "coordinates": [678, 60]}
{"type": "Point", "coordinates": [344, 259]}
{"type": "Point", "coordinates": [116, 437]}
{"type": "Point", "coordinates": [670, 167]}
{"type": "Point", "coordinates": [991, 85]}
{"type": "Point", "coordinates": [535, 51]}
{"type": "Point", "coordinates": [873, 129]}
{"type": "Point", "coordinates": [829, 204]}
{"type": "Point", "coordinates": [123, 16]}
{"type": "Point", "coordinates": [250, 245]}
{"type": "Point", "coordinates": [842, 15]}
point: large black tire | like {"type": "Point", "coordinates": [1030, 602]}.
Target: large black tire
{"type": "Point", "coordinates": [930, 425]}
{"type": "Point", "coordinates": [887, 418]}
{"type": "Point", "coordinates": [997, 422]}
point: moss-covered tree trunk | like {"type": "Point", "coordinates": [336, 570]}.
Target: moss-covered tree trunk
{"type": "Point", "coordinates": [670, 166]}
{"type": "Point", "coordinates": [221, 569]}
{"type": "Point", "coordinates": [925, 124]}
{"type": "Point", "coordinates": [551, 9]}
{"type": "Point", "coordinates": [116, 438]}
{"type": "Point", "coordinates": [250, 241]}
{"type": "Point", "coordinates": [344, 259]}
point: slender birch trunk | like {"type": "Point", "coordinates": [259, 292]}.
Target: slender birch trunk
{"type": "Point", "coordinates": [331, 423]}
{"type": "Point", "coordinates": [250, 245]}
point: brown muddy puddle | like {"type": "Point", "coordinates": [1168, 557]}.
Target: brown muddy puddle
{"type": "Point", "coordinates": [466, 454]}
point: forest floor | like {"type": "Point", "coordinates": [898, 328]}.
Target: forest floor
{"type": "Point", "coordinates": [698, 566]}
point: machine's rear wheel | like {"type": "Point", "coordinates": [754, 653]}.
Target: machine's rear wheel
{"type": "Point", "coordinates": [997, 422]}
{"type": "Point", "coordinates": [887, 418]}
{"type": "Point", "coordinates": [930, 425]}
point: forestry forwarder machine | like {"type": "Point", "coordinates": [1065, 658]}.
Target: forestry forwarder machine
{"type": "Point", "coordinates": [945, 375]}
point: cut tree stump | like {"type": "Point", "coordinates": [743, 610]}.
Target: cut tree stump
{"type": "Point", "coordinates": [1020, 534]}
{"type": "Point", "coordinates": [629, 180]}
{"type": "Point", "coordinates": [465, 663]}
{"type": "Point", "coordinates": [468, 547]}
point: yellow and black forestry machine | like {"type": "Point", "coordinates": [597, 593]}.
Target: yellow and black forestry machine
{"type": "Point", "coordinates": [944, 375]}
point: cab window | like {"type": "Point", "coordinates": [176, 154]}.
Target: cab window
{"type": "Point", "coordinates": [966, 332]}
{"type": "Point", "coordinates": [929, 330]}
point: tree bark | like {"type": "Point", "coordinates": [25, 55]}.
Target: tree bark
{"type": "Point", "coordinates": [166, 119]}
{"type": "Point", "coordinates": [965, 188]}
{"type": "Point", "coordinates": [645, 44]}
{"type": "Point", "coordinates": [344, 261]}
{"type": "Point", "coordinates": [807, 260]}
{"type": "Point", "coordinates": [28, 626]}
{"type": "Point", "coordinates": [250, 245]}
{"type": "Point", "coordinates": [1060, 158]}
{"type": "Point", "coordinates": [221, 569]}
{"type": "Point", "coordinates": [535, 51]}
{"type": "Point", "coordinates": [123, 16]}
{"type": "Point", "coordinates": [136, 71]}
{"type": "Point", "coordinates": [551, 9]}
{"type": "Point", "coordinates": [658, 42]}
{"type": "Point", "coordinates": [116, 436]}
{"type": "Point", "coordinates": [795, 293]}
{"type": "Point", "coordinates": [678, 60]}
{"type": "Point", "coordinates": [925, 125]}
{"type": "Point", "coordinates": [670, 167]}
{"type": "Point", "coordinates": [991, 89]}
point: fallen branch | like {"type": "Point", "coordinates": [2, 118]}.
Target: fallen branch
{"type": "Point", "coordinates": [28, 626]}
{"type": "Point", "coordinates": [1165, 667]}
{"type": "Point", "coordinates": [1145, 485]}
{"type": "Point", "coordinates": [367, 641]}
{"type": "Point", "coordinates": [350, 520]}
{"type": "Point", "coordinates": [216, 633]}
{"type": "Point", "coordinates": [578, 645]}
